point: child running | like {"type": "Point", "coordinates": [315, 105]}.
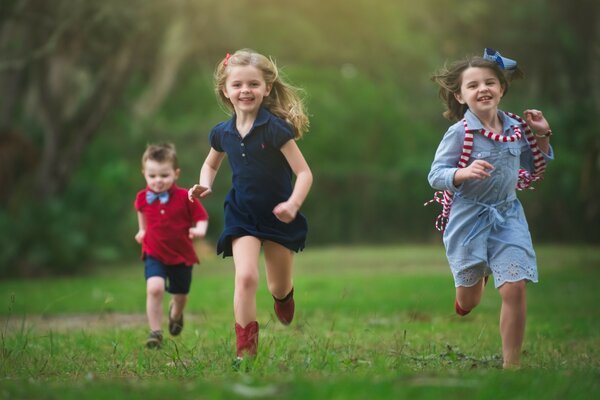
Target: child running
{"type": "Point", "coordinates": [167, 224]}
{"type": "Point", "coordinates": [477, 165]}
{"type": "Point", "coordinates": [262, 207]}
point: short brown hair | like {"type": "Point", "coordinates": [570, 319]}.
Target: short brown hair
{"type": "Point", "coordinates": [161, 152]}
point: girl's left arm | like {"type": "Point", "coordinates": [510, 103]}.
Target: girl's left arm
{"type": "Point", "coordinates": [541, 129]}
{"type": "Point", "coordinates": [286, 211]}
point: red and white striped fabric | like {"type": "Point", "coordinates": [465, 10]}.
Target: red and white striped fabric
{"type": "Point", "coordinates": [445, 197]}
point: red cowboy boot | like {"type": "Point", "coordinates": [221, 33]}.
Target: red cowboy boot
{"type": "Point", "coordinates": [247, 339]}
{"type": "Point", "coordinates": [284, 308]}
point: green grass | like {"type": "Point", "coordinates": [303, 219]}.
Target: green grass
{"type": "Point", "coordinates": [371, 323]}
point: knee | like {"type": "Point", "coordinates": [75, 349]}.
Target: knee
{"type": "Point", "coordinates": [279, 289]}
{"type": "Point", "coordinates": [513, 291]}
{"type": "Point", "coordinates": [155, 290]}
{"type": "Point", "coordinates": [246, 281]}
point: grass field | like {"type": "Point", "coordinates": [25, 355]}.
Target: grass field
{"type": "Point", "coordinates": [370, 323]}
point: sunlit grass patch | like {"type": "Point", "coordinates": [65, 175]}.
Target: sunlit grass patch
{"type": "Point", "coordinates": [362, 330]}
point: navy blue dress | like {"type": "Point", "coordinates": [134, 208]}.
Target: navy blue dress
{"type": "Point", "coordinates": [261, 179]}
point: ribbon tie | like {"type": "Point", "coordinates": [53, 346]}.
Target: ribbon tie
{"type": "Point", "coordinates": [490, 217]}
{"type": "Point", "coordinates": [495, 56]}
{"type": "Point", "coordinates": [151, 197]}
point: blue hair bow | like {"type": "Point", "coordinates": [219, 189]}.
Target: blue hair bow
{"type": "Point", "coordinates": [494, 56]}
{"type": "Point", "coordinates": [151, 197]}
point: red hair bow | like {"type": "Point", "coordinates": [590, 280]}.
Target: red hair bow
{"type": "Point", "coordinates": [226, 60]}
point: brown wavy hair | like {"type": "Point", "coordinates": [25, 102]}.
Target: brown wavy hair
{"type": "Point", "coordinates": [449, 78]}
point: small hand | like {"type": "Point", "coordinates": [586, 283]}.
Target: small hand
{"type": "Point", "coordinates": [285, 212]}
{"type": "Point", "coordinates": [479, 169]}
{"type": "Point", "coordinates": [196, 232]}
{"type": "Point", "coordinates": [140, 235]}
{"type": "Point", "coordinates": [199, 192]}
{"type": "Point", "coordinates": [536, 121]}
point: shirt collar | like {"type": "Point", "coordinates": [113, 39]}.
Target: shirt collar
{"type": "Point", "coordinates": [262, 118]}
{"type": "Point", "coordinates": [474, 123]}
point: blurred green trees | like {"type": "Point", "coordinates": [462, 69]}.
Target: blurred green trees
{"type": "Point", "coordinates": [86, 85]}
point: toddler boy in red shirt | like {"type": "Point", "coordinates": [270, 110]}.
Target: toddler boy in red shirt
{"type": "Point", "coordinates": [168, 222]}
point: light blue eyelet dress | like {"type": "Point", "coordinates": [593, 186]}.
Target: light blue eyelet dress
{"type": "Point", "coordinates": [487, 232]}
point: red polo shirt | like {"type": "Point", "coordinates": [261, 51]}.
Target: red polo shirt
{"type": "Point", "coordinates": [167, 226]}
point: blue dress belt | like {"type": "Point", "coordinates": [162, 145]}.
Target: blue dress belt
{"type": "Point", "coordinates": [490, 216]}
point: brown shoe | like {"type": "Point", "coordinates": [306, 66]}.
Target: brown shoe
{"type": "Point", "coordinates": [175, 325]}
{"type": "Point", "coordinates": [154, 340]}
{"type": "Point", "coordinates": [246, 339]}
{"type": "Point", "coordinates": [284, 308]}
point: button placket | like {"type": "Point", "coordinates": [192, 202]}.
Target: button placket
{"type": "Point", "coordinates": [244, 156]}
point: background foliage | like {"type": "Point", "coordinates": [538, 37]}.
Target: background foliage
{"type": "Point", "coordinates": [86, 85]}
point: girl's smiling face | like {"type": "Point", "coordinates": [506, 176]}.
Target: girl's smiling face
{"type": "Point", "coordinates": [246, 88]}
{"type": "Point", "coordinates": [480, 90]}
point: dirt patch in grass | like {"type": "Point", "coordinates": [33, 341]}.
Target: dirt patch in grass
{"type": "Point", "coordinates": [69, 322]}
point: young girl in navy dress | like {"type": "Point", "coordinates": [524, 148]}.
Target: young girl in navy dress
{"type": "Point", "coordinates": [262, 207]}
{"type": "Point", "coordinates": [477, 165]}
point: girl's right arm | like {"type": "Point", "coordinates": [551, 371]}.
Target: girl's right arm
{"type": "Point", "coordinates": [207, 175]}
{"type": "Point", "coordinates": [445, 174]}
{"type": "Point", "coordinates": [445, 163]}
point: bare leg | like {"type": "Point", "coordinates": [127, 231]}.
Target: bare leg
{"type": "Point", "coordinates": [155, 290]}
{"type": "Point", "coordinates": [469, 297]}
{"type": "Point", "coordinates": [512, 321]}
{"type": "Point", "coordinates": [179, 302]}
{"type": "Point", "coordinates": [279, 268]}
{"type": "Point", "coordinates": [246, 250]}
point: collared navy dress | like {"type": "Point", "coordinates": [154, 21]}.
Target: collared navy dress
{"type": "Point", "coordinates": [261, 179]}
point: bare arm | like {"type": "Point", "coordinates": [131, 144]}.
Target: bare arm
{"type": "Point", "coordinates": [199, 230]}
{"type": "Point", "coordinates": [479, 169]}
{"type": "Point", "coordinates": [142, 228]}
{"type": "Point", "coordinates": [207, 175]}
{"type": "Point", "coordinates": [286, 211]}
{"type": "Point", "coordinates": [538, 123]}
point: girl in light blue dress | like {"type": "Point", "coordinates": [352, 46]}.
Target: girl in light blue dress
{"type": "Point", "coordinates": [481, 161]}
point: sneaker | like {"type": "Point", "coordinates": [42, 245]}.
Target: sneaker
{"type": "Point", "coordinates": [175, 325]}
{"type": "Point", "coordinates": [284, 308]}
{"type": "Point", "coordinates": [154, 340]}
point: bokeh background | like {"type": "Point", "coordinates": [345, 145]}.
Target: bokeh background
{"type": "Point", "coordinates": [85, 85]}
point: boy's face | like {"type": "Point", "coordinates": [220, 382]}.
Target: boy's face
{"type": "Point", "coordinates": [160, 176]}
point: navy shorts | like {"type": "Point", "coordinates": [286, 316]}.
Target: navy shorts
{"type": "Point", "coordinates": [178, 278]}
